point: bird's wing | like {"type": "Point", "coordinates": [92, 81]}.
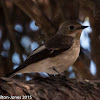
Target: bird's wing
{"type": "Point", "coordinates": [41, 48]}
{"type": "Point", "coordinates": [56, 43]}
{"type": "Point", "coordinates": [54, 46]}
{"type": "Point", "coordinates": [59, 42]}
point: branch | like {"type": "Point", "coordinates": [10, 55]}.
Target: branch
{"type": "Point", "coordinates": [52, 88]}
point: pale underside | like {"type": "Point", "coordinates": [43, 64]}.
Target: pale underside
{"type": "Point", "coordinates": [56, 64]}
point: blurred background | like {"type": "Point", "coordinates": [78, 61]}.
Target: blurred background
{"type": "Point", "coordinates": [27, 24]}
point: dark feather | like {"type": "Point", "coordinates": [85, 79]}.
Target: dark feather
{"type": "Point", "coordinates": [58, 42]}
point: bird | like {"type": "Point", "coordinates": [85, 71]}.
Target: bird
{"type": "Point", "coordinates": [57, 54]}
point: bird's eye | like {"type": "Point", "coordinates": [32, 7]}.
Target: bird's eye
{"type": "Point", "coordinates": [71, 27]}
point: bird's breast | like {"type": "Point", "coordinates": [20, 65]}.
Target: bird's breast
{"type": "Point", "coordinates": [64, 60]}
{"type": "Point", "coordinates": [56, 64]}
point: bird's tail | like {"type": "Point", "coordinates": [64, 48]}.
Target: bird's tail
{"type": "Point", "coordinates": [10, 75]}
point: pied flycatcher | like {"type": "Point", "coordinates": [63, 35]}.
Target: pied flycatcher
{"type": "Point", "coordinates": [57, 54]}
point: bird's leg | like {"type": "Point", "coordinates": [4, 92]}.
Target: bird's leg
{"type": "Point", "coordinates": [53, 75]}
{"type": "Point", "coordinates": [55, 70]}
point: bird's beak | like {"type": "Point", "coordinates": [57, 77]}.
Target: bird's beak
{"type": "Point", "coordinates": [82, 27]}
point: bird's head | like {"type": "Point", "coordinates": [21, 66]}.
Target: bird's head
{"type": "Point", "coordinates": [71, 28]}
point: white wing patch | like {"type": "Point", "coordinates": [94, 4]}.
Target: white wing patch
{"type": "Point", "coordinates": [37, 50]}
